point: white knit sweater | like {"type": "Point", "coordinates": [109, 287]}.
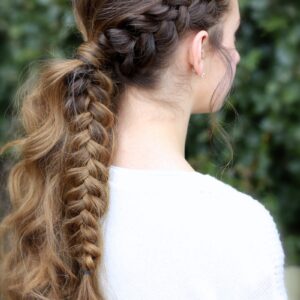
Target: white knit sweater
{"type": "Point", "coordinates": [179, 235]}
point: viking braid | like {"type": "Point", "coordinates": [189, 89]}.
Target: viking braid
{"type": "Point", "coordinates": [69, 117]}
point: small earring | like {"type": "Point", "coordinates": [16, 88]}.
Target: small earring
{"type": "Point", "coordinates": [202, 75]}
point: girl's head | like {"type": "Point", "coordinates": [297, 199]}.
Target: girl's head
{"type": "Point", "coordinates": [155, 46]}
{"type": "Point", "coordinates": [58, 189]}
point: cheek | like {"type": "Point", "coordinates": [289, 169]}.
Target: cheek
{"type": "Point", "coordinates": [236, 57]}
{"type": "Point", "coordinates": [229, 44]}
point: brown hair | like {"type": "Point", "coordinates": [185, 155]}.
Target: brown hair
{"type": "Point", "coordinates": [52, 238]}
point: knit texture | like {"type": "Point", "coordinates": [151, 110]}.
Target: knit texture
{"type": "Point", "coordinates": [183, 235]}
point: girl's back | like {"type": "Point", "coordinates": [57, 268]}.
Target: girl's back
{"type": "Point", "coordinates": [185, 235]}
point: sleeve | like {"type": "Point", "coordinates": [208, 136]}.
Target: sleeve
{"type": "Point", "coordinates": [277, 255]}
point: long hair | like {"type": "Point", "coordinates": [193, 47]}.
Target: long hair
{"type": "Point", "coordinates": [58, 188]}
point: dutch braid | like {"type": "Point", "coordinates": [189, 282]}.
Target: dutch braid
{"type": "Point", "coordinates": [137, 44]}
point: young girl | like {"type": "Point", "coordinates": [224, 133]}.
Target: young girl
{"type": "Point", "coordinates": [104, 203]}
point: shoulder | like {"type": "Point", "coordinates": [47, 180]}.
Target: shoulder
{"type": "Point", "coordinates": [252, 216]}
{"type": "Point", "coordinates": [246, 231]}
{"type": "Point", "coordinates": [239, 205]}
{"type": "Point", "coordinates": [229, 195]}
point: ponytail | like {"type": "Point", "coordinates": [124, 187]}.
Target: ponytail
{"type": "Point", "coordinates": [59, 186]}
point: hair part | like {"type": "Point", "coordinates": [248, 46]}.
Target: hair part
{"type": "Point", "coordinates": [52, 238]}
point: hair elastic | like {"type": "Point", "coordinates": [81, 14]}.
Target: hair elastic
{"type": "Point", "coordinates": [86, 272]}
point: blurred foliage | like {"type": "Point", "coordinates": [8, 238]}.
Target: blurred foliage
{"type": "Point", "coordinates": [265, 131]}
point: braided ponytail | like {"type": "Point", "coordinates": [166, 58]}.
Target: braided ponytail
{"type": "Point", "coordinates": [85, 174]}
{"type": "Point", "coordinates": [52, 239]}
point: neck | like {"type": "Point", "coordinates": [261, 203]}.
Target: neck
{"type": "Point", "coordinates": [150, 135]}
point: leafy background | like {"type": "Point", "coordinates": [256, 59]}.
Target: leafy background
{"type": "Point", "coordinates": [261, 117]}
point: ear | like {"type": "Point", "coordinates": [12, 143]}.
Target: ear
{"type": "Point", "coordinates": [196, 51]}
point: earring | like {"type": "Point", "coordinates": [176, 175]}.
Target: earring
{"type": "Point", "coordinates": [202, 75]}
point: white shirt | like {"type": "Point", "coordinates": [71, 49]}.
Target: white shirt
{"type": "Point", "coordinates": [178, 235]}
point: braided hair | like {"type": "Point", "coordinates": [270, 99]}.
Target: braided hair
{"type": "Point", "coordinates": [59, 186]}
{"type": "Point", "coordinates": [85, 160]}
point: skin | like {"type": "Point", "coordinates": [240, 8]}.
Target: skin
{"type": "Point", "coordinates": [151, 134]}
